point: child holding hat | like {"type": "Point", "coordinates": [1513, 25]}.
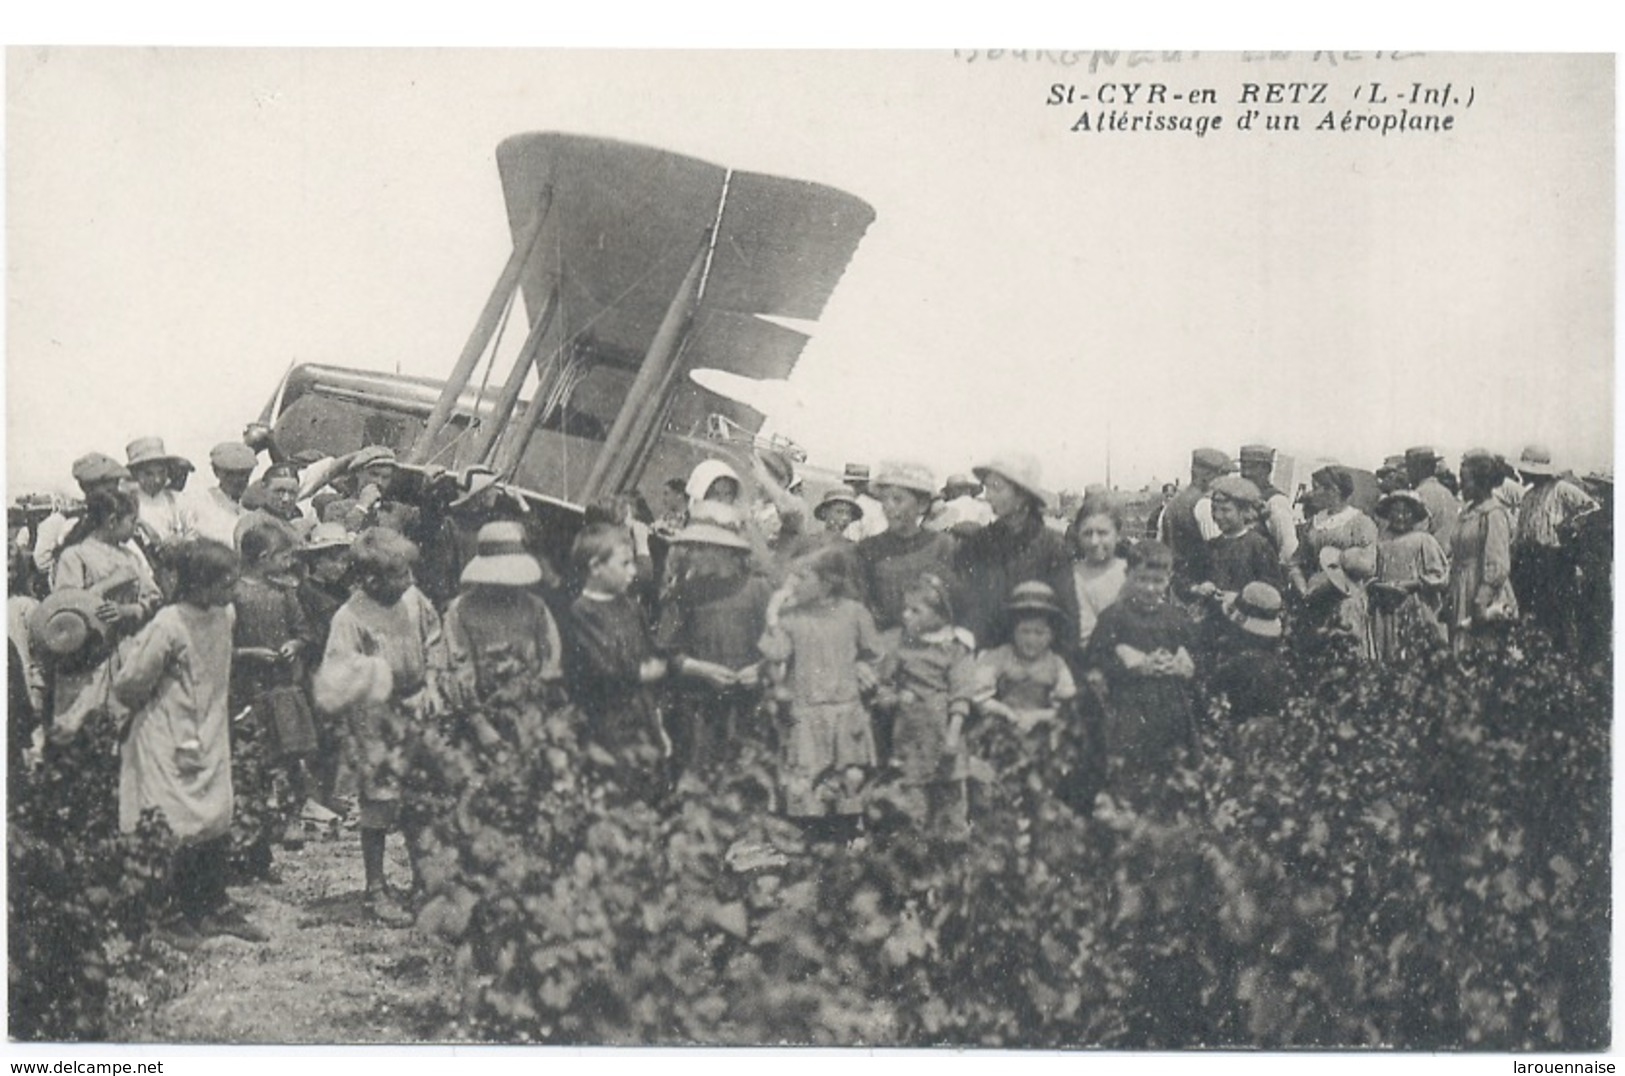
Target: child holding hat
{"type": "Point", "coordinates": [1412, 571]}
{"type": "Point", "coordinates": [712, 615]}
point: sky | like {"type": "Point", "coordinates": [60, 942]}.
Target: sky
{"type": "Point", "coordinates": [182, 225]}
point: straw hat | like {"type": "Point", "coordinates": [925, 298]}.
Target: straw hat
{"type": "Point", "coordinates": [1020, 470]}
{"type": "Point", "coordinates": [327, 536]}
{"type": "Point", "coordinates": [835, 496]}
{"type": "Point", "coordinates": [500, 558]}
{"type": "Point", "coordinates": [66, 622]}
{"type": "Point", "coordinates": [700, 532]}
{"type": "Point", "coordinates": [1344, 568]}
{"type": "Point", "coordinates": [855, 472]}
{"type": "Point", "coordinates": [1409, 496]}
{"type": "Point", "coordinates": [906, 475]}
{"type": "Point", "coordinates": [1536, 459]}
{"type": "Point", "coordinates": [148, 450]}
{"type": "Point", "coordinates": [1256, 610]}
{"type": "Point", "coordinates": [963, 482]}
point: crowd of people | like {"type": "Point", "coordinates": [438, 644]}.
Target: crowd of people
{"type": "Point", "coordinates": [308, 604]}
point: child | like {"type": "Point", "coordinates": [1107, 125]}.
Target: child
{"type": "Point", "coordinates": [384, 647]}
{"type": "Point", "coordinates": [1248, 670]}
{"type": "Point", "coordinates": [837, 511]}
{"type": "Point", "coordinates": [930, 679]}
{"type": "Point", "coordinates": [501, 640]}
{"type": "Point", "coordinates": [610, 660]}
{"type": "Point", "coordinates": [1142, 647]}
{"type": "Point", "coordinates": [1240, 553]}
{"type": "Point", "coordinates": [1025, 681]}
{"type": "Point", "coordinates": [1098, 570]}
{"type": "Point", "coordinates": [712, 615]}
{"type": "Point", "coordinates": [1411, 575]}
{"type": "Point", "coordinates": [271, 638]}
{"type": "Point", "coordinates": [176, 755]}
{"type": "Point", "coordinates": [818, 644]}
{"type": "Point", "coordinates": [324, 587]}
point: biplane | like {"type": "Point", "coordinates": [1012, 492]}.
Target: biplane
{"type": "Point", "coordinates": [631, 268]}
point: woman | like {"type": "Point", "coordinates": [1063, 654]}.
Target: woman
{"type": "Point", "coordinates": [1014, 548]}
{"type": "Point", "coordinates": [893, 560]}
{"type": "Point", "coordinates": [100, 556]}
{"type": "Point", "coordinates": [1336, 557]}
{"type": "Point", "coordinates": [1479, 601]}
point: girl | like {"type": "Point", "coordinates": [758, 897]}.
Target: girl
{"type": "Point", "coordinates": [1015, 547]}
{"type": "Point", "coordinates": [711, 617]}
{"type": "Point", "coordinates": [383, 649]}
{"type": "Point", "coordinates": [1480, 601]}
{"type": "Point", "coordinates": [1098, 567]}
{"type": "Point", "coordinates": [1028, 682]}
{"type": "Point", "coordinates": [818, 643]}
{"type": "Point", "coordinates": [271, 639]}
{"type": "Point", "coordinates": [99, 555]}
{"type": "Point", "coordinates": [176, 756]}
{"type": "Point", "coordinates": [1336, 529]}
{"type": "Point", "coordinates": [1411, 575]}
{"type": "Point", "coordinates": [930, 680]}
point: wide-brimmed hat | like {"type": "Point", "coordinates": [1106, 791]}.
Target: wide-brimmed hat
{"type": "Point", "coordinates": [94, 467]}
{"type": "Point", "coordinates": [1236, 488]}
{"type": "Point", "coordinates": [958, 481]}
{"type": "Point", "coordinates": [232, 456]}
{"type": "Point", "coordinates": [1021, 470]}
{"type": "Point", "coordinates": [1213, 460]}
{"type": "Point", "coordinates": [1033, 597]}
{"type": "Point", "coordinates": [373, 454]}
{"type": "Point", "coordinates": [500, 558]}
{"type": "Point", "coordinates": [1256, 454]}
{"type": "Point", "coordinates": [326, 536]}
{"type": "Point", "coordinates": [718, 514]}
{"type": "Point", "coordinates": [1256, 610]}
{"type": "Point", "coordinates": [148, 450]}
{"type": "Point", "coordinates": [66, 622]}
{"type": "Point", "coordinates": [701, 532]}
{"type": "Point", "coordinates": [705, 475]}
{"type": "Point", "coordinates": [1536, 459]}
{"type": "Point", "coordinates": [1345, 568]}
{"type": "Point", "coordinates": [835, 496]}
{"type": "Point", "coordinates": [906, 475]}
{"type": "Point", "coordinates": [1386, 503]}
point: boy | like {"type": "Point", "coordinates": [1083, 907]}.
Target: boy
{"type": "Point", "coordinates": [610, 658]}
{"type": "Point", "coordinates": [1240, 553]}
{"type": "Point", "coordinates": [1141, 646]}
{"type": "Point", "coordinates": [382, 650]}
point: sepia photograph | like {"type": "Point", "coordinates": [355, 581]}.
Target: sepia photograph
{"type": "Point", "coordinates": [1002, 549]}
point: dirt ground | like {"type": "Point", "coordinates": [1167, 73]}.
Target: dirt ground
{"type": "Point", "coordinates": [329, 974]}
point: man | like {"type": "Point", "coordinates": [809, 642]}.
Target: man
{"type": "Point", "coordinates": [166, 518]}
{"type": "Point", "coordinates": [856, 478]}
{"type": "Point", "coordinates": [1257, 467]}
{"type": "Point", "coordinates": [673, 508]}
{"type": "Point", "coordinates": [216, 511]}
{"type": "Point", "coordinates": [1544, 569]}
{"type": "Point", "coordinates": [94, 473]}
{"type": "Point", "coordinates": [1187, 523]}
{"type": "Point", "coordinates": [1421, 468]}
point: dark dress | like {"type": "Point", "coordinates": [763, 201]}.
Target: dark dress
{"type": "Point", "coordinates": [891, 563]}
{"type": "Point", "coordinates": [1149, 721]}
{"type": "Point", "coordinates": [606, 644]}
{"type": "Point", "coordinates": [1233, 561]}
{"type": "Point", "coordinates": [720, 620]}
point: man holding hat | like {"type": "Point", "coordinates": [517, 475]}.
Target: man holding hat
{"type": "Point", "coordinates": [1258, 466]}
{"type": "Point", "coordinates": [166, 519]}
{"type": "Point", "coordinates": [93, 472]}
{"type": "Point", "coordinates": [1187, 523]}
{"type": "Point", "coordinates": [1544, 572]}
{"type": "Point", "coordinates": [1422, 468]}
{"type": "Point", "coordinates": [217, 510]}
